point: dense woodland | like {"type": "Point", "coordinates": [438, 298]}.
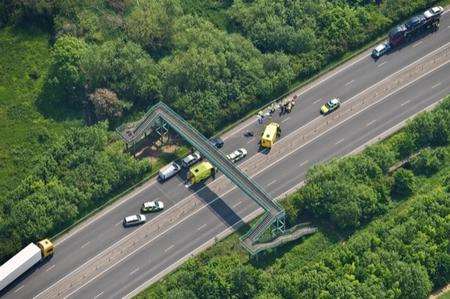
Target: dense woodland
{"type": "Point", "coordinates": [212, 61]}
{"type": "Point", "coordinates": [402, 253]}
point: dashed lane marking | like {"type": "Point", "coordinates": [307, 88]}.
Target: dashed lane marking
{"type": "Point", "coordinates": [19, 288]}
{"type": "Point", "coordinates": [316, 101]}
{"type": "Point", "coordinates": [303, 163]}
{"type": "Point", "coordinates": [381, 64]}
{"type": "Point", "coordinates": [168, 248]}
{"type": "Point", "coordinates": [285, 120]}
{"type": "Point", "coordinates": [340, 141]}
{"type": "Point", "coordinates": [370, 123]}
{"type": "Point", "coordinates": [350, 82]}
{"type": "Point", "coordinates": [98, 295]}
{"type": "Point", "coordinates": [236, 204]}
{"type": "Point", "coordinates": [134, 271]}
{"type": "Point", "coordinates": [201, 226]}
{"type": "Point", "coordinates": [85, 244]}
{"type": "Point", "coordinates": [404, 103]}
{"type": "Point", "coordinates": [49, 268]}
{"type": "Point", "coordinates": [436, 85]}
{"type": "Point", "coordinates": [417, 44]}
{"type": "Point", "coordinates": [271, 183]}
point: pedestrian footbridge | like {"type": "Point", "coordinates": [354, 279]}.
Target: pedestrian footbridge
{"type": "Point", "coordinates": [160, 115]}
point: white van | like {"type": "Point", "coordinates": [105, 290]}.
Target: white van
{"type": "Point", "coordinates": [168, 171]}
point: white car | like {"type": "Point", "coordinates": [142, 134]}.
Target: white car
{"type": "Point", "coordinates": [380, 50]}
{"type": "Point", "coordinates": [237, 154]}
{"type": "Point", "coordinates": [191, 159]}
{"type": "Point", "coordinates": [152, 206]}
{"type": "Point", "coordinates": [134, 220]}
{"type": "Point", "coordinates": [433, 12]}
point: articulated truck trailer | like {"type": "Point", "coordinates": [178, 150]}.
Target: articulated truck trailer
{"type": "Point", "coordinates": [24, 260]}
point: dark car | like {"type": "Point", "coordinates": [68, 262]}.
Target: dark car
{"type": "Point", "coordinates": [415, 22]}
{"type": "Point", "coordinates": [217, 142]}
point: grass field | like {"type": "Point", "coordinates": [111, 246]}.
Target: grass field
{"type": "Point", "coordinates": [24, 132]}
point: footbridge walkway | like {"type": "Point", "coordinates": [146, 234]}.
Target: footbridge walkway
{"type": "Point", "coordinates": [161, 115]}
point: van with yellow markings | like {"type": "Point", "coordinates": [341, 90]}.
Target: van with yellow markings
{"type": "Point", "coordinates": [270, 135]}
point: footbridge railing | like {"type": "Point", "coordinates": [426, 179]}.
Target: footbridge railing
{"type": "Point", "coordinates": [160, 115]}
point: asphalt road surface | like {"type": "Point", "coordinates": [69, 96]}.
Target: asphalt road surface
{"type": "Point", "coordinates": [166, 249]}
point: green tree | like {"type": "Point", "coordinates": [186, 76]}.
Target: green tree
{"type": "Point", "coordinates": [428, 161]}
{"type": "Point", "coordinates": [247, 282]}
{"type": "Point", "coordinates": [150, 24]}
{"type": "Point", "coordinates": [66, 77]}
{"type": "Point", "coordinates": [122, 67]}
{"type": "Point", "coordinates": [404, 182]}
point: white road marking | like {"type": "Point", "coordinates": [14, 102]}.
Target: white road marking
{"type": "Point", "coordinates": [285, 120]}
{"type": "Point", "coordinates": [85, 244]}
{"type": "Point", "coordinates": [303, 163]}
{"type": "Point", "coordinates": [381, 64]}
{"type": "Point", "coordinates": [49, 268]}
{"type": "Point", "coordinates": [236, 204]}
{"type": "Point", "coordinates": [134, 271]}
{"type": "Point", "coordinates": [348, 83]}
{"type": "Point", "coordinates": [118, 223]}
{"type": "Point", "coordinates": [168, 248]}
{"type": "Point", "coordinates": [19, 288]}
{"type": "Point", "coordinates": [316, 101]}
{"type": "Point", "coordinates": [417, 44]}
{"type": "Point", "coordinates": [98, 295]}
{"type": "Point", "coordinates": [369, 123]}
{"type": "Point", "coordinates": [339, 141]}
{"type": "Point", "coordinates": [270, 165]}
{"type": "Point", "coordinates": [436, 85]}
{"type": "Point", "coordinates": [201, 226]}
{"type": "Point", "coordinates": [250, 141]}
{"type": "Point", "coordinates": [404, 103]}
{"type": "Point", "coordinates": [271, 183]}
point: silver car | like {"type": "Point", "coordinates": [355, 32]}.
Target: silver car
{"type": "Point", "coordinates": [134, 220]}
{"type": "Point", "coordinates": [380, 50]}
{"type": "Point", "coordinates": [191, 159]}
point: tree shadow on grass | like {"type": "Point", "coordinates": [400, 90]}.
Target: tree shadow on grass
{"type": "Point", "coordinates": [52, 104]}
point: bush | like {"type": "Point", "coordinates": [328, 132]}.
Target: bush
{"type": "Point", "coordinates": [79, 171]}
{"type": "Point", "coordinates": [404, 182]}
{"type": "Point", "coordinates": [429, 161]}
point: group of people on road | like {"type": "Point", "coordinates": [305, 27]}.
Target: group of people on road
{"type": "Point", "coordinates": [284, 106]}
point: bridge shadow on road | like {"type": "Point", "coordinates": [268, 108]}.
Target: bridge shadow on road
{"type": "Point", "coordinates": [216, 204]}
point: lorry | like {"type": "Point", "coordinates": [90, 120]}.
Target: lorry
{"type": "Point", "coordinates": [24, 260]}
{"type": "Point", "coordinates": [201, 172]}
{"type": "Point", "coordinates": [429, 20]}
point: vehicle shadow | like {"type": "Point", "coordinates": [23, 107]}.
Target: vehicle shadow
{"type": "Point", "coordinates": [216, 204]}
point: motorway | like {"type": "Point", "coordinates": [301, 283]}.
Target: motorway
{"type": "Point", "coordinates": [213, 216]}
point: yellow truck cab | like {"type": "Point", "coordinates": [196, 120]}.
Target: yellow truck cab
{"type": "Point", "coordinates": [46, 247]}
{"type": "Point", "coordinates": [270, 134]}
{"type": "Point", "coordinates": [201, 172]}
